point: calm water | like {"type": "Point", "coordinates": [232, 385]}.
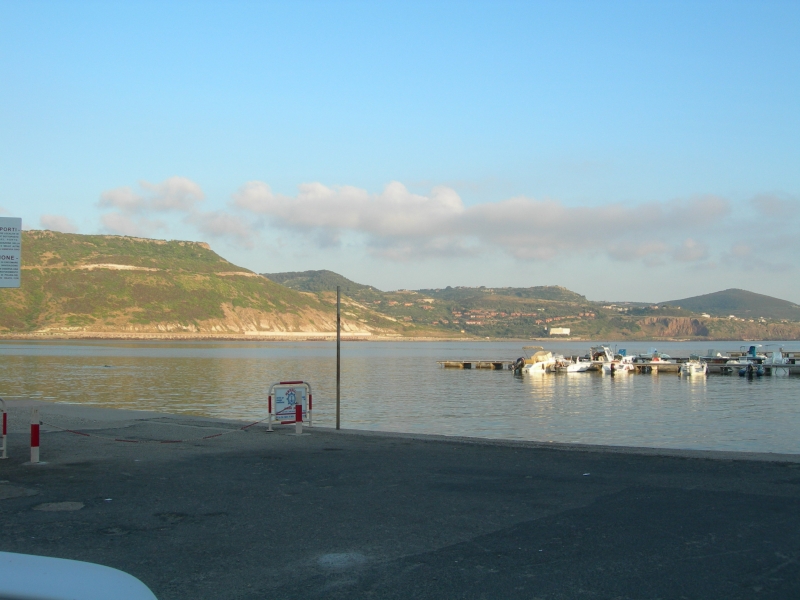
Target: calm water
{"type": "Point", "coordinates": [397, 386]}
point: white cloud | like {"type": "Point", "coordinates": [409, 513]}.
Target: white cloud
{"type": "Point", "coordinates": [124, 199]}
{"type": "Point", "coordinates": [691, 251]}
{"type": "Point", "coordinates": [57, 223]}
{"type": "Point", "coordinates": [400, 225]}
{"type": "Point", "coordinates": [121, 224]}
{"type": "Point", "coordinates": [132, 209]}
{"type": "Point", "coordinates": [220, 224]}
{"type": "Point", "coordinates": [393, 212]}
{"type": "Point", "coordinates": [175, 193]}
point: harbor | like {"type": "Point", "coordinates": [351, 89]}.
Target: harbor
{"type": "Point", "coordinates": [400, 387]}
{"type": "Point", "coordinates": [604, 360]}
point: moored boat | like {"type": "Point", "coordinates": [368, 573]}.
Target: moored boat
{"type": "Point", "coordinates": [693, 368]}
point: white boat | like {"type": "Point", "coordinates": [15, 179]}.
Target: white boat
{"type": "Point", "coordinates": [579, 366]}
{"type": "Point", "coordinates": [738, 364]}
{"type": "Point", "coordinates": [693, 368]}
{"type": "Point", "coordinates": [540, 363]}
{"type": "Point", "coordinates": [653, 355]}
{"type": "Point", "coordinates": [777, 364]}
{"type": "Point", "coordinates": [600, 356]}
{"type": "Point", "coordinates": [620, 365]}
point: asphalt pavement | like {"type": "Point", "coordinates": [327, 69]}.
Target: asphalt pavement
{"type": "Point", "coordinates": [251, 514]}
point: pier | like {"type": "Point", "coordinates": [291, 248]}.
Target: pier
{"type": "Point", "coordinates": [716, 366]}
{"type": "Point", "coordinates": [496, 365]}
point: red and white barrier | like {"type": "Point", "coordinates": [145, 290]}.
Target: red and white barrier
{"type": "Point", "coordinates": [34, 436]}
{"type": "Point", "coordinates": [290, 402]}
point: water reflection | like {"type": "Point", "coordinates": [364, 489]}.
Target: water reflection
{"type": "Point", "coordinates": [399, 387]}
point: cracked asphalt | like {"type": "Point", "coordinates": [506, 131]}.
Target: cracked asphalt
{"type": "Point", "coordinates": [349, 514]}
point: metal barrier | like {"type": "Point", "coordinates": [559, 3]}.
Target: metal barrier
{"type": "Point", "coordinates": [283, 401]}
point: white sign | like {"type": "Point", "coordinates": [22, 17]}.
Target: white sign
{"type": "Point", "coordinates": [10, 251]}
{"type": "Point", "coordinates": [286, 398]}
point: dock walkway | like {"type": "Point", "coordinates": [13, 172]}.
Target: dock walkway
{"type": "Point", "coordinates": [476, 364]}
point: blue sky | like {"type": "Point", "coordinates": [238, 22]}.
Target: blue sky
{"type": "Point", "coordinates": [626, 150]}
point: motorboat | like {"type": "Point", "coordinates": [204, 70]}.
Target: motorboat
{"type": "Point", "coordinates": [777, 364]}
{"type": "Point", "coordinates": [578, 366]}
{"type": "Point", "coordinates": [653, 355]}
{"type": "Point", "coordinates": [600, 355]}
{"type": "Point", "coordinates": [540, 363]}
{"type": "Point", "coordinates": [694, 368]}
{"type": "Point", "coordinates": [751, 370]}
{"type": "Point", "coordinates": [620, 365]}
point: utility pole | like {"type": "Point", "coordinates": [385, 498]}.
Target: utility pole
{"type": "Point", "coordinates": [338, 352]}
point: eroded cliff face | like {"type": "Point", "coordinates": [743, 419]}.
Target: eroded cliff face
{"type": "Point", "coordinates": [672, 327]}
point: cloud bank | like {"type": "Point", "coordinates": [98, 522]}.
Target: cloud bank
{"type": "Point", "coordinates": [144, 212]}
{"type": "Point", "coordinates": [399, 225]}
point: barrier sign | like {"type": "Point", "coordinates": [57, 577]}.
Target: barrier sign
{"type": "Point", "coordinates": [10, 251]}
{"type": "Point", "coordinates": [287, 397]}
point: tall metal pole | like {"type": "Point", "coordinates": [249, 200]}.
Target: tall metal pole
{"type": "Point", "coordinates": [338, 351]}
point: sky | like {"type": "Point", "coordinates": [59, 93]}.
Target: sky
{"type": "Point", "coordinates": [642, 151]}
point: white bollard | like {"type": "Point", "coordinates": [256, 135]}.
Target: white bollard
{"type": "Point", "coordinates": [298, 419]}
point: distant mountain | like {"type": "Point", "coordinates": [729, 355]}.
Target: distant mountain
{"type": "Point", "coordinates": [740, 303]}
{"type": "Point", "coordinates": [542, 292]}
{"type": "Point", "coordinates": [320, 281]}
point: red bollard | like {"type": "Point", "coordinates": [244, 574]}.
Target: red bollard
{"type": "Point", "coordinates": [34, 436]}
{"type": "Point", "coordinates": [298, 419]}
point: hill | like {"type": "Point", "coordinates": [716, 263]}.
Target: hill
{"type": "Point", "coordinates": [322, 281]}
{"type": "Point", "coordinates": [456, 311]}
{"type": "Point", "coordinates": [102, 283]}
{"type": "Point", "coordinates": [740, 303]}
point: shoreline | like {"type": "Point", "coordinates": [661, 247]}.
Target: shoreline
{"type": "Point", "coordinates": [331, 337]}
{"type": "Point", "coordinates": [103, 415]}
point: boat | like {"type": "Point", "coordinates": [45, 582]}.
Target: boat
{"type": "Point", "coordinates": [751, 370]}
{"type": "Point", "coordinates": [578, 366]}
{"type": "Point", "coordinates": [653, 355]}
{"type": "Point", "coordinates": [694, 368]}
{"type": "Point", "coordinates": [540, 363]}
{"type": "Point", "coordinates": [599, 355]}
{"type": "Point", "coordinates": [620, 365]}
{"type": "Point", "coordinates": [777, 364]}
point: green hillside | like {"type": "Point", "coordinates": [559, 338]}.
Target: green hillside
{"type": "Point", "coordinates": [534, 311]}
{"type": "Point", "coordinates": [123, 284]}
{"type": "Point", "coordinates": [740, 303]}
{"type": "Point", "coordinates": [457, 311]}
{"type": "Point", "coordinates": [111, 285]}
{"type": "Point", "coordinates": [323, 281]}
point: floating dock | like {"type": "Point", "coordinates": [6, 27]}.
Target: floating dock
{"type": "Point", "coordinates": [497, 365]}
{"type": "Point", "coordinates": [715, 366]}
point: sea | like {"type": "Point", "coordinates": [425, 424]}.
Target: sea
{"type": "Point", "coordinates": [399, 387]}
